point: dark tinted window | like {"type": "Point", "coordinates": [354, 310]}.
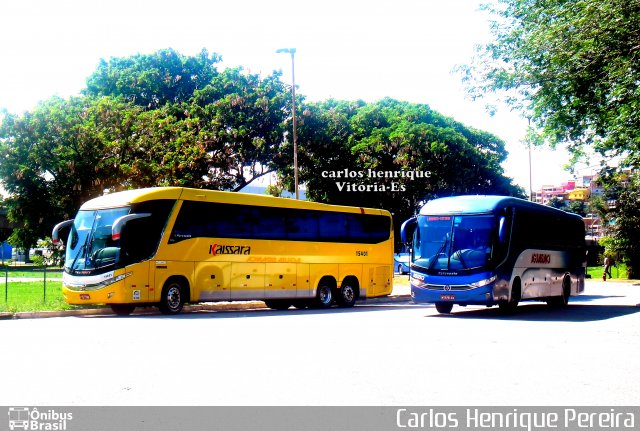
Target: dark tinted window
{"type": "Point", "coordinates": [140, 237]}
{"type": "Point", "coordinates": [215, 220]}
{"type": "Point", "coordinates": [547, 230]}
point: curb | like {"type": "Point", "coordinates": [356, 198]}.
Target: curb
{"type": "Point", "coordinates": [214, 306]}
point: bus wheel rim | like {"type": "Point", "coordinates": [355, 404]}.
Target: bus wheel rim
{"type": "Point", "coordinates": [348, 293]}
{"type": "Point", "coordinates": [325, 295]}
{"type": "Point", "coordinates": [173, 297]}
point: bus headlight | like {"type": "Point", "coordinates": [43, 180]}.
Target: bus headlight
{"type": "Point", "coordinates": [416, 281]}
{"type": "Point", "coordinates": [484, 282]}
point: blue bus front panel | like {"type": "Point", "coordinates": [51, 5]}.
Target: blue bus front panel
{"type": "Point", "coordinates": [476, 289]}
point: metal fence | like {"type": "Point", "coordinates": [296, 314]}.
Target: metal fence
{"type": "Point", "coordinates": [31, 284]}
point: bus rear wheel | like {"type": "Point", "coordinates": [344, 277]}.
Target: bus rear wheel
{"type": "Point", "coordinates": [563, 300]}
{"type": "Point", "coordinates": [324, 296]}
{"type": "Point", "coordinates": [173, 297]}
{"type": "Point", "coordinates": [444, 307]}
{"type": "Point", "coordinates": [347, 296]}
{"type": "Point", "coordinates": [122, 309]}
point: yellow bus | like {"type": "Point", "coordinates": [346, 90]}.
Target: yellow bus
{"type": "Point", "coordinates": [168, 246]}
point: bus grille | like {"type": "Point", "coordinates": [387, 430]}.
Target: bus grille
{"type": "Point", "coordinates": [451, 287]}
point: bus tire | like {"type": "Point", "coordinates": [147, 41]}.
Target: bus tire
{"type": "Point", "coordinates": [173, 296]}
{"type": "Point", "coordinates": [347, 295]}
{"type": "Point", "coordinates": [122, 309]}
{"type": "Point", "coordinates": [324, 296]}
{"type": "Point", "coordinates": [277, 304]}
{"type": "Point", "coordinates": [563, 300]}
{"type": "Point", "coordinates": [516, 294]}
{"type": "Point", "coordinates": [444, 307]}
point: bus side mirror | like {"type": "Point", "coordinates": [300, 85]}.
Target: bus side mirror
{"type": "Point", "coordinates": [502, 230]}
{"type": "Point", "coordinates": [116, 229]}
{"type": "Point", "coordinates": [55, 234]}
{"type": "Point", "coordinates": [407, 228]}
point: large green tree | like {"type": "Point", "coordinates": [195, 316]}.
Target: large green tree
{"type": "Point", "coordinates": [202, 127]}
{"type": "Point", "coordinates": [57, 156]}
{"type": "Point", "coordinates": [572, 67]}
{"type": "Point", "coordinates": [153, 80]}
{"type": "Point", "coordinates": [625, 226]}
{"type": "Point", "coordinates": [379, 155]}
{"type": "Point", "coordinates": [146, 120]}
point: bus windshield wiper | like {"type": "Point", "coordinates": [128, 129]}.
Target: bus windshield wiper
{"type": "Point", "coordinates": [438, 253]}
{"type": "Point", "coordinates": [75, 259]}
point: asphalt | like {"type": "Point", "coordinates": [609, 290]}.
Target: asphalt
{"type": "Point", "coordinates": [401, 293]}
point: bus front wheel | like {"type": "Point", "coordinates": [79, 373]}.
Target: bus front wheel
{"type": "Point", "coordinates": [516, 294]}
{"type": "Point", "coordinates": [444, 307]}
{"type": "Point", "coordinates": [173, 297]}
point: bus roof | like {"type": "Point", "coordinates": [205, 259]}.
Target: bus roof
{"type": "Point", "coordinates": [477, 204]}
{"type": "Point", "coordinates": [128, 197]}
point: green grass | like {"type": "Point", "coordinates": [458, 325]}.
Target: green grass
{"type": "Point", "coordinates": [31, 296]}
{"type": "Point", "coordinates": [618, 272]}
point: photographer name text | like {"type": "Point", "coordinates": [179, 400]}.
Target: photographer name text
{"type": "Point", "coordinates": [349, 181]}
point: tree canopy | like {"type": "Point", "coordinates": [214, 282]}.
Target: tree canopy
{"type": "Point", "coordinates": [572, 67]}
{"type": "Point", "coordinates": [167, 119]}
{"type": "Point", "coordinates": [394, 155]}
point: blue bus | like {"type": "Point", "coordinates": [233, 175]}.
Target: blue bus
{"type": "Point", "coordinates": [494, 250]}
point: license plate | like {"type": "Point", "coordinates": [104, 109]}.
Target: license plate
{"type": "Point", "coordinates": [84, 296]}
{"type": "Point", "coordinates": [448, 297]}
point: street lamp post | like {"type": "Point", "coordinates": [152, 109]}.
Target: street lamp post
{"type": "Point", "coordinates": [292, 51]}
{"type": "Point", "coordinates": [530, 175]}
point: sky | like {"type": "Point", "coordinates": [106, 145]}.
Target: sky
{"type": "Point", "coordinates": [345, 49]}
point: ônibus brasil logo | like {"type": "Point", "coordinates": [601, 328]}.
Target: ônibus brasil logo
{"type": "Point", "coordinates": [216, 249]}
{"type": "Point", "coordinates": [32, 419]}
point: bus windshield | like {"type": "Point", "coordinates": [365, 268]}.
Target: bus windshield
{"type": "Point", "coordinates": [90, 247]}
{"type": "Point", "coordinates": [454, 243]}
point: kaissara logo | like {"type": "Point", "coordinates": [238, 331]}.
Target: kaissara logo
{"type": "Point", "coordinates": [216, 249]}
{"type": "Point", "coordinates": [540, 258]}
{"type": "Point", "coordinates": [32, 419]}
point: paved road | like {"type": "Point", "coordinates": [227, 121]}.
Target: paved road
{"type": "Point", "coordinates": [380, 353]}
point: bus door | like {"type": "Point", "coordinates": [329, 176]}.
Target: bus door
{"type": "Point", "coordinates": [138, 283]}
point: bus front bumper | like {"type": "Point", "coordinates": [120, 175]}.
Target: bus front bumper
{"type": "Point", "coordinates": [85, 290]}
{"type": "Point", "coordinates": [113, 294]}
{"type": "Point", "coordinates": [473, 296]}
